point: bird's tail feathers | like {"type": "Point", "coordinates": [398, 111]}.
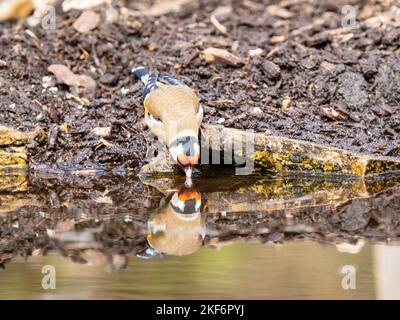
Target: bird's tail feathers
{"type": "Point", "coordinates": [142, 73]}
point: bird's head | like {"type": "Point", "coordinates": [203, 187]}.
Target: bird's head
{"type": "Point", "coordinates": [178, 227]}
{"type": "Point", "coordinates": [185, 150]}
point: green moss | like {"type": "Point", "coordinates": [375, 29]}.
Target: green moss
{"type": "Point", "coordinates": [13, 157]}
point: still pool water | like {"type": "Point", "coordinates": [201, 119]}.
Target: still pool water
{"type": "Point", "coordinates": [230, 237]}
{"type": "Point", "coordinates": [244, 270]}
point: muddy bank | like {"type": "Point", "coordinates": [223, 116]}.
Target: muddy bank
{"type": "Point", "coordinates": [109, 217]}
{"type": "Point", "coordinates": [312, 79]}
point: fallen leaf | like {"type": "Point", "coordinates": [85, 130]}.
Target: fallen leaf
{"type": "Point", "coordinates": [86, 22]}
{"type": "Point", "coordinates": [83, 84]}
{"type": "Point", "coordinates": [215, 55]}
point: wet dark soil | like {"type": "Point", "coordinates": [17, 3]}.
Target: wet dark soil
{"type": "Point", "coordinates": [343, 84]}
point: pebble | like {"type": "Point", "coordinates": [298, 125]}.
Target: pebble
{"type": "Point", "coordinates": [125, 91]}
{"type": "Point", "coordinates": [221, 120]}
{"type": "Point", "coordinates": [111, 15]}
{"type": "Point", "coordinates": [86, 22]}
{"type": "Point", "coordinates": [286, 103]}
{"type": "Point", "coordinates": [272, 71]}
{"type": "Point", "coordinates": [48, 81]}
{"type": "Point", "coordinates": [256, 52]}
{"type": "Point", "coordinates": [257, 110]}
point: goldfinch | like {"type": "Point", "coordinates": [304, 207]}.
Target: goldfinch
{"type": "Point", "coordinates": [176, 228]}
{"type": "Point", "coordinates": [173, 114]}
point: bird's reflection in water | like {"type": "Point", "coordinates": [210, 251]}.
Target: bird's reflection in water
{"type": "Point", "coordinates": [177, 228]}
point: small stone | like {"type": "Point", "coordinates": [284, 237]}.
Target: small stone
{"type": "Point", "coordinates": [369, 66]}
{"type": "Point", "coordinates": [86, 22]}
{"type": "Point", "coordinates": [3, 63]}
{"type": "Point", "coordinates": [111, 15]}
{"type": "Point", "coordinates": [40, 116]}
{"type": "Point", "coordinates": [102, 131]}
{"type": "Point", "coordinates": [110, 79]}
{"type": "Point", "coordinates": [221, 120]}
{"type": "Point", "coordinates": [327, 66]}
{"type": "Point", "coordinates": [286, 103]}
{"type": "Point", "coordinates": [125, 91]}
{"type": "Point", "coordinates": [47, 82]}
{"type": "Point", "coordinates": [255, 52]}
{"type": "Point", "coordinates": [257, 110]}
{"type": "Point", "coordinates": [271, 70]}
{"type": "Point", "coordinates": [152, 46]}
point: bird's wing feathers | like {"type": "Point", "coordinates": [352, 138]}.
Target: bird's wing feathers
{"type": "Point", "coordinates": [179, 97]}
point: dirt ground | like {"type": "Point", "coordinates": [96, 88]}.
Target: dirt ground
{"type": "Point", "coordinates": [314, 80]}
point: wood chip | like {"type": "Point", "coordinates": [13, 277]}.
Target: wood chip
{"type": "Point", "coordinates": [221, 56]}
{"type": "Point", "coordinates": [335, 115]}
{"type": "Point", "coordinates": [165, 7]}
{"type": "Point", "coordinates": [102, 131]}
{"type": "Point", "coordinates": [220, 11]}
{"type": "Point", "coordinates": [279, 12]}
{"type": "Point", "coordinates": [82, 4]}
{"type": "Point", "coordinates": [277, 39]}
{"type": "Point", "coordinates": [86, 22]}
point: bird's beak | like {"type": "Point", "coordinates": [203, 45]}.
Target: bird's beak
{"type": "Point", "coordinates": [188, 171]}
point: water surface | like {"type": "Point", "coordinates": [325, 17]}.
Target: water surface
{"type": "Point", "coordinates": [254, 237]}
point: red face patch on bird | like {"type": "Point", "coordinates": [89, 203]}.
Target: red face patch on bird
{"type": "Point", "coordinates": [185, 150]}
